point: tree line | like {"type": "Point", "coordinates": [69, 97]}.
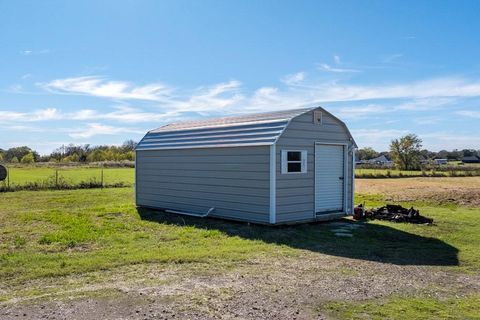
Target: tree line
{"type": "Point", "coordinates": [71, 153]}
{"type": "Point", "coordinates": [407, 153]}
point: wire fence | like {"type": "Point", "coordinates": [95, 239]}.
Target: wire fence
{"type": "Point", "coordinates": [34, 178]}
{"type": "Point", "coordinates": [393, 173]}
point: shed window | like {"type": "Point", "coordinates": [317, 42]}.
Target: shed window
{"type": "Point", "coordinates": [294, 161]}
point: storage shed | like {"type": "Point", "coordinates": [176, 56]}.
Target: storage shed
{"type": "Point", "coordinates": [272, 168]}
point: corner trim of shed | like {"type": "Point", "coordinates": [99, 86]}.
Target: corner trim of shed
{"type": "Point", "coordinates": [273, 185]}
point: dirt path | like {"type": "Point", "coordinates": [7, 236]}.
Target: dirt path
{"type": "Point", "coordinates": [285, 288]}
{"type": "Point", "coordinates": [463, 191]}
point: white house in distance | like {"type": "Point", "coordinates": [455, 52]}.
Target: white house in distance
{"type": "Point", "coordinates": [271, 168]}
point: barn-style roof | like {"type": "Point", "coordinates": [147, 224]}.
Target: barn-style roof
{"type": "Point", "coordinates": [245, 130]}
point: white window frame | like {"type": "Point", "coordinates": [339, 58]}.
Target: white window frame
{"type": "Point", "coordinates": [303, 161]}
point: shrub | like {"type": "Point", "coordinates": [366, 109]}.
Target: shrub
{"type": "Point", "coordinates": [28, 158]}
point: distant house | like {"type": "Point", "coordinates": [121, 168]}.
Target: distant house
{"type": "Point", "coordinates": [440, 161]}
{"type": "Point", "coordinates": [471, 159]}
{"type": "Point", "coordinates": [381, 160]}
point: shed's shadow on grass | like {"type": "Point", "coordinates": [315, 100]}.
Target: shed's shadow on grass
{"type": "Point", "coordinates": [371, 242]}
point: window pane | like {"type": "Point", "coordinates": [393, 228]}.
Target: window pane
{"type": "Point", "coordinates": [294, 167]}
{"type": "Point", "coordinates": [294, 156]}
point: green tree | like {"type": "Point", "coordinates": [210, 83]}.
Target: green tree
{"type": "Point", "coordinates": [19, 153]}
{"type": "Point", "coordinates": [366, 153]}
{"type": "Point", "coordinates": [14, 160]}
{"type": "Point", "coordinates": [405, 152]}
{"type": "Point", "coordinates": [28, 158]}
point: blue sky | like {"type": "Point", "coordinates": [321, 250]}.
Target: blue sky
{"type": "Point", "coordinates": [101, 72]}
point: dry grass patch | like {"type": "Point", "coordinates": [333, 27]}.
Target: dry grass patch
{"type": "Point", "coordinates": [464, 191]}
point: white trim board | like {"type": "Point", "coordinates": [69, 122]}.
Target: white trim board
{"type": "Point", "coordinates": [273, 185]}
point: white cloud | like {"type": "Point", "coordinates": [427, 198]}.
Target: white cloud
{"type": "Point", "coordinates": [391, 58]}
{"type": "Point", "coordinates": [94, 129]}
{"type": "Point", "coordinates": [427, 120]}
{"type": "Point", "coordinates": [431, 88]}
{"type": "Point", "coordinates": [167, 104]}
{"type": "Point", "coordinates": [425, 104]}
{"type": "Point", "coordinates": [100, 87]}
{"type": "Point", "coordinates": [23, 128]}
{"type": "Point", "coordinates": [326, 67]}
{"type": "Point", "coordinates": [361, 112]}
{"type": "Point", "coordinates": [123, 114]}
{"type": "Point", "coordinates": [378, 139]}
{"type": "Point", "coordinates": [37, 115]}
{"type": "Point", "coordinates": [450, 140]}
{"type": "Point", "coordinates": [46, 114]}
{"type": "Point", "coordinates": [230, 96]}
{"type": "Point", "coordinates": [374, 134]}
{"type": "Point", "coordinates": [34, 52]}
{"type": "Point", "coordinates": [337, 59]}
{"type": "Point", "coordinates": [207, 99]}
{"type": "Point", "coordinates": [293, 79]}
{"type": "Point", "coordinates": [469, 113]}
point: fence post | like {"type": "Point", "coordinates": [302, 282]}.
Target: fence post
{"type": "Point", "coordinates": [56, 178]}
{"type": "Point", "coordinates": [102, 178]}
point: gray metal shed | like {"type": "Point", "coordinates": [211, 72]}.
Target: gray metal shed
{"type": "Point", "coordinates": [272, 168]}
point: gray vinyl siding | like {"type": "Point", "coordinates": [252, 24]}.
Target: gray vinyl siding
{"type": "Point", "coordinates": [233, 180]}
{"type": "Point", "coordinates": [295, 192]}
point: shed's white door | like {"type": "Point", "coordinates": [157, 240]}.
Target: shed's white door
{"type": "Point", "coordinates": [329, 178]}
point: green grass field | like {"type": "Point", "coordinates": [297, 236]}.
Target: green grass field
{"type": "Point", "coordinates": [393, 173]}
{"type": "Point", "coordinates": [73, 175]}
{"type": "Point", "coordinates": [50, 234]}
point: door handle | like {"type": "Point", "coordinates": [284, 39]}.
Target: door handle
{"type": "Point", "coordinates": [341, 178]}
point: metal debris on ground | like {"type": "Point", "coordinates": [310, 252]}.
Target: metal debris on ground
{"type": "Point", "coordinates": [391, 212]}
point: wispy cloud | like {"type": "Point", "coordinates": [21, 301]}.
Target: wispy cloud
{"type": "Point", "coordinates": [101, 87]}
{"type": "Point", "coordinates": [430, 88]}
{"type": "Point", "coordinates": [123, 114]}
{"type": "Point", "coordinates": [448, 140]}
{"type": "Point", "coordinates": [211, 98]}
{"type": "Point", "coordinates": [207, 98]}
{"type": "Point", "coordinates": [469, 113]}
{"type": "Point", "coordinates": [34, 52]}
{"type": "Point", "coordinates": [361, 112]}
{"type": "Point", "coordinates": [294, 78]}
{"type": "Point", "coordinates": [37, 115]}
{"type": "Point", "coordinates": [425, 104]}
{"type": "Point", "coordinates": [427, 120]}
{"type": "Point", "coordinates": [94, 129]}
{"type": "Point", "coordinates": [227, 96]}
{"type": "Point", "coordinates": [378, 134]}
{"type": "Point", "coordinates": [337, 59]}
{"type": "Point", "coordinates": [23, 128]}
{"type": "Point", "coordinates": [378, 139]}
{"type": "Point", "coordinates": [328, 68]}
{"type": "Point", "coordinates": [392, 58]}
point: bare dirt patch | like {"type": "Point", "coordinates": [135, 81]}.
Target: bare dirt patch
{"type": "Point", "coordinates": [282, 288]}
{"type": "Point", "coordinates": [463, 191]}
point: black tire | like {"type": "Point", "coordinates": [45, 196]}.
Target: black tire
{"type": "Point", "coordinates": [3, 172]}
